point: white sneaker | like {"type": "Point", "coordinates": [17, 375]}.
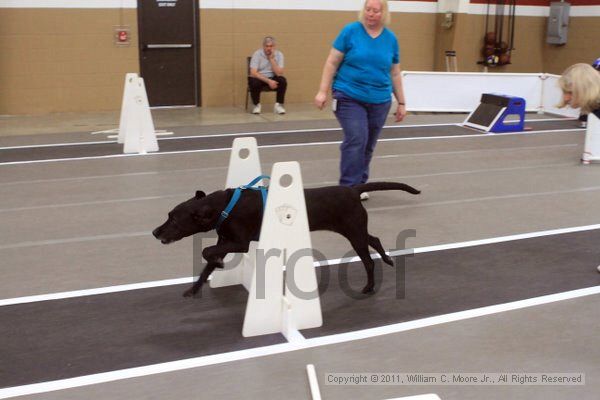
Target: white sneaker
{"type": "Point", "coordinates": [364, 196]}
{"type": "Point", "coordinates": [278, 109]}
{"type": "Point", "coordinates": [256, 109]}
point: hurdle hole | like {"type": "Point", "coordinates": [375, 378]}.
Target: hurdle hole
{"type": "Point", "coordinates": [244, 153]}
{"type": "Point", "coordinates": [286, 180]}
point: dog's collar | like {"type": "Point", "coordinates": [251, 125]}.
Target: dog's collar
{"type": "Point", "coordinates": [237, 194]}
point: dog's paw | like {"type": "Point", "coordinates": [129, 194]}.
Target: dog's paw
{"type": "Point", "coordinates": [388, 260]}
{"type": "Point", "coordinates": [368, 289]}
{"type": "Point", "coordinates": [191, 292]}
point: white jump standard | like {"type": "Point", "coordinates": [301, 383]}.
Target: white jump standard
{"type": "Point", "coordinates": [591, 149]}
{"type": "Point", "coordinates": [244, 166]}
{"type": "Point", "coordinates": [274, 306]}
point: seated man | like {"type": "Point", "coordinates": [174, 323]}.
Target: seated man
{"type": "Point", "coordinates": [266, 70]}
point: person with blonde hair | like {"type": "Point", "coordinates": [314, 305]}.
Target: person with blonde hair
{"type": "Point", "coordinates": [363, 70]}
{"type": "Point", "coordinates": [580, 84]}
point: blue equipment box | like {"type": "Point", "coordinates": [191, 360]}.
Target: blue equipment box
{"type": "Point", "coordinates": [493, 110]}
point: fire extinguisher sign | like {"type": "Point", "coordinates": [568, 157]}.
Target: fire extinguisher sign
{"type": "Point", "coordinates": [122, 35]}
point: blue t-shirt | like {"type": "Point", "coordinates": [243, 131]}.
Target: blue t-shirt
{"type": "Point", "coordinates": [364, 73]}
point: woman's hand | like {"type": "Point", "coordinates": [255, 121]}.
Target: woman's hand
{"type": "Point", "coordinates": [400, 112]}
{"type": "Point", "coordinates": [320, 100]}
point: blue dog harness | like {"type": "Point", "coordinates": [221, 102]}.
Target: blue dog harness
{"type": "Point", "coordinates": [237, 194]}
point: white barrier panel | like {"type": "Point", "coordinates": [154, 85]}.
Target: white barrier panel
{"type": "Point", "coordinates": [461, 91]}
{"type": "Point", "coordinates": [126, 103]}
{"type": "Point", "coordinates": [244, 166]}
{"type": "Point", "coordinates": [430, 396]}
{"type": "Point", "coordinates": [136, 128]}
{"type": "Point", "coordinates": [284, 241]}
{"type": "Point", "coordinates": [244, 162]}
{"type": "Point", "coordinates": [591, 149]}
{"type": "Point", "coordinates": [551, 95]}
{"type": "Point", "coordinates": [126, 107]}
{"type": "Point", "coordinates": [140, 136]}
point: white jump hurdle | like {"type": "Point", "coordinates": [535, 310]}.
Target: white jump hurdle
{"type": "Point", "coordinates": [127, 101]}
{"type": "Point", "coordinates": [591, 149]}
{"type": "Point", "coordinates": [278, 303]}
{"type": "Point", "coordinates": [138, 134]}
{"type": "Point", "coordinates": [244, 166]}
{"type": "Point", "coordinates": [126, 104]}
{"type": "Point", "coordinates": [136, 128]}
{"type": "Point", "coordinates": [275, 304]}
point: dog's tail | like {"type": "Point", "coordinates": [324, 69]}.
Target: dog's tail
{"type": "Point", "coordinates": [375, 186]}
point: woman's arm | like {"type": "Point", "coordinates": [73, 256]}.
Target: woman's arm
{"type": "Point", "coordinates": [398, 92]}
{"type": "Point", "coordinates": [332, 64]}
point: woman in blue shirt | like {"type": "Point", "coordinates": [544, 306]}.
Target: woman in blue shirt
{"type": "Point", "coordinates": [364, 67]}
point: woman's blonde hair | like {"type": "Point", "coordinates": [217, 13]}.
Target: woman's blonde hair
{"type": "Point", "coordinates": [583, 82]}
{"type": "Point", "coordinates": [385, 12]}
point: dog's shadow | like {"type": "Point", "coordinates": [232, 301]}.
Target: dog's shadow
{"type": "Point", "coordinates": [210, 323]}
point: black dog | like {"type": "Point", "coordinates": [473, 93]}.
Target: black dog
{"type": "Point", "coordinates": [332, 208]}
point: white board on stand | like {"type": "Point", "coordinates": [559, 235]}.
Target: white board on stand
{"type": "Point", "coordinates": [126, 103]}
{"type": "Point", "coordinates": [244, 166]}
{"type": "Point", "coordinates": [284, 241]}
{"type": "Point", "coordinates": [591, 149]}
{"type": "Point", "coordinates": [140, 136]}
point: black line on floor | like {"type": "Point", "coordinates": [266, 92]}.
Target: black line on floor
{"type": "Point", "coordinates": [174, 144]}
{"type": "Point", "coordinates": [73, 337]}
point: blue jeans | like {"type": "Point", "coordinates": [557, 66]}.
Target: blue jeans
{"type": "Point", "coordinates": [362, 124]}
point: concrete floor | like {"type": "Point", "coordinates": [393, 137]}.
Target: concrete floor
{"type": "Point", "coordinates": [85, 224]}
{"type": "Point", "coordinates": [546, 338]}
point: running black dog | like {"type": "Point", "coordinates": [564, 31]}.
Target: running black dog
{"type": "Point", "coordinates": [332, 208]}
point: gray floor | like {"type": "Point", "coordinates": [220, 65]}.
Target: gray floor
{"type": "Point", "coordinates": [182, 141]}
{"type": "Point", "coordinates": [68, 338]}
{"type": "Point", "coordinates": [555, 337]}
{"type": "Point", "coordinates": [83, 224]}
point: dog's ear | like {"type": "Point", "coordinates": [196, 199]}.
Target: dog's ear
{"type": "Point", "coordinates": [200, 194]}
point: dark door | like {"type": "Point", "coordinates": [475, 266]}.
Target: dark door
{"type": "Point", "coordinates": [168, 32]}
